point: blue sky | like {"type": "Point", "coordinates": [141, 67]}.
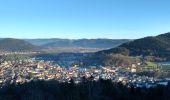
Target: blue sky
{"type": "Point", "coordinates": [84, 18]}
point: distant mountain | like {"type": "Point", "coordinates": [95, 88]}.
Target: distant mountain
{"type": "Point", "coordinates": [158, 46]}
{"type": "Point", "coordinates": [9, 44]}
{"type": "Point", "coordinates": [84, 43]}
{"type": "Point", "coordinates": [99, 43]}
{"type": "Point", "coordinates": [40, 42]}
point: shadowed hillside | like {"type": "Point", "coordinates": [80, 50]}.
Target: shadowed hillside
{"type": "Point", "coordinates": [10, 44]}
{"type": "Point", "coordinates": [154, 46]}
{"type": "Point", "coordinates": [158, 46]}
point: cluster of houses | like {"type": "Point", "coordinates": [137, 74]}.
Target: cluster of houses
{"type": "Point", "coordinates": [30, 69]}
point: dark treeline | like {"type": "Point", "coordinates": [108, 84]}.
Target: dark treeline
{"type": "Point", "coordinates": [87, 90]}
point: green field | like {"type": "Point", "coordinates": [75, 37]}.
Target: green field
{"type": "Point", "coordinates": [149, 66]}
{"type": "Point", "coordinates": [165, 67]}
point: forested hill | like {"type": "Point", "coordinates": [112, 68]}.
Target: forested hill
{"type": "Point", "coordinates": [9, 44]}
{"type": "Point", "coordinates": [158, 46]}
{"type": "Point", "coordinates": [155, 46]}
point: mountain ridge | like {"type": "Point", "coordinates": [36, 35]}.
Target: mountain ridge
{"type": "Point", "coordinates": [11, 44]}
{"type": "Point", "coordinates": [158, 46]}
{"type": "Point", "coordinates": [84, 43]}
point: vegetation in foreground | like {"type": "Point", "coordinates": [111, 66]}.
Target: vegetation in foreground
{"type": "Point", "coordinates": [87, 90]}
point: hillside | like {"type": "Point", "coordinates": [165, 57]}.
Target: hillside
{"type": "Point", "coordinates": [158, 46]}
{"type": "Point", "coordinates": [9, 44]}
{"type": "Point", "coordinates": [78, 43]}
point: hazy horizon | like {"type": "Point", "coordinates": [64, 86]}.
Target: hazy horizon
{"type": "Point", "coordinates": [52, 37]}
{"type": "Point", "coordinates": [82, 38]}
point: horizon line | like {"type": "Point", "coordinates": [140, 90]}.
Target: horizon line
{"type": "Point", "coordinates": [82, 38]}
{"type": "Point", "coordinates": [71, 38]}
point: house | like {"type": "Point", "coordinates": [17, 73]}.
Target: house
{"type": "Point", "coordinates": [133, 69]}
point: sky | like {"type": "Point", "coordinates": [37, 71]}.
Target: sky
{"type": "Point", "coordinates": [75, 19]}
